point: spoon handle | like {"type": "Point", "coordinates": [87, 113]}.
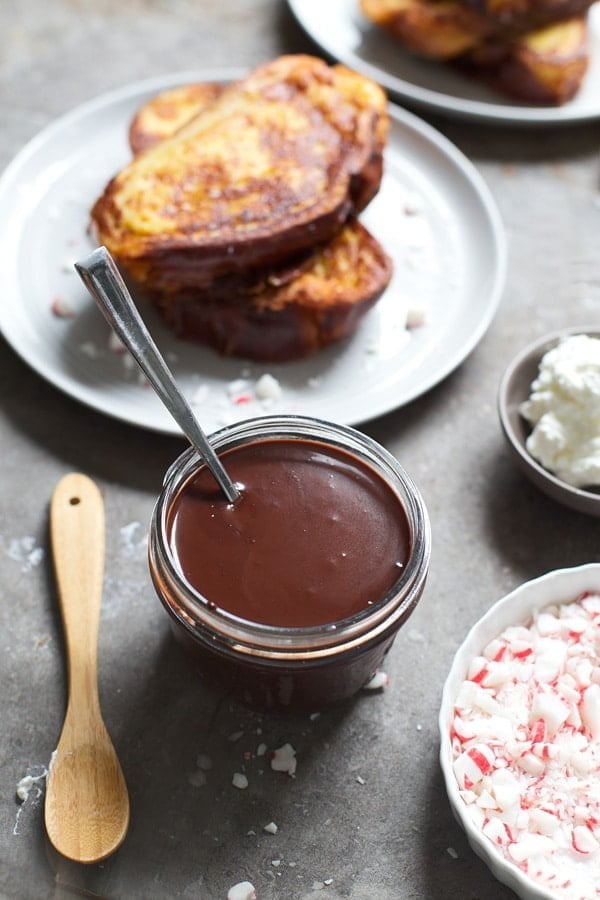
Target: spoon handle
{"type": "Point", "coordinates": [99, 273]}
{"type": "Point", "coordinates": [77, 535]}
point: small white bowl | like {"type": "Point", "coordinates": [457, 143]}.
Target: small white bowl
{"type": "Point", "coordinates": [516, 608]}
{"type": "Point", "coordinates": [515, 387]}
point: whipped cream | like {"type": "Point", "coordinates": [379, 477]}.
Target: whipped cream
{"type": "Point", "coordinates": [526, 746]}
{"type": "Point", "coordinates": [564, 408]}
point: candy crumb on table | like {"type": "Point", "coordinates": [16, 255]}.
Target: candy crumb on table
{"type": "Point", "coordinates": [242, 891]}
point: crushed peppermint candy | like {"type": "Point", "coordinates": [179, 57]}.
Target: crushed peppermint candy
{"type": "Point", "coordinates": [416, 314]}
{"type": "Point", "coordinates": [239, 781]}
{"type": "Point", "coordinates": [115, 344]}
{"type": "Point", "coordinates": [203, 761]}
{"type": "Point", "coordinates": [23, 550]}
{"type": "Point", "coordinates": [88, 348]}
{"type": "Point", "coordinates": [238, 388]}
{"type": "Point", "coordinates": [242, 891]}
{"type": "Point", "coordinates": [130, 542]}
{"type": "Point", "coordinates": [526, 746]}
{"type": "Point", "coordinates": [378, 682]}
{"type": "Point", "coordinates": [31, 782]}
{"type": "Point", "coordinates": [416, 636]}
{"type": "Point", "coordinates": [267, 388]}
{"type": "Point", "coordinates": [284, 760]}
{"type": "Point", "coordinates": [197, 778]}
{"type": "Point", "coordinates": [200, 395]}
{"type": "Point", "coordinates": [271, 828]}
{"type": "Point", "coordinates": [25, 785]}
{"type": "Point", "coordinates": [62, 309]}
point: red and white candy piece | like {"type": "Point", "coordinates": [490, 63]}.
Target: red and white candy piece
{"type": "Point", "coordinates": [549, 709]}
{"type": "Point", "coordinates": [529, 845]}
{"type": "Point", "coordinates": [62, 309]}
{"type": "Point", "coordinates": [473, 764]}
{"type": "Point", "coordinates": [378, 682]}
{"type": "Point", "coordinates": [284, 760]}
{"type": "Point", "coordinates": [590, 710]}
{"type": "Point", "coordinates": [584, 841]}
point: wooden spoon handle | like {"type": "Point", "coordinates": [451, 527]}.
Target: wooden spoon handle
{"type": "Point", "coordinates": [77, 535]}
{"type": "Point", "coordinates": [87, 807]}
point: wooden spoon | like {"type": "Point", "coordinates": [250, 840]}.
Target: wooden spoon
{"type": "Point", "coordinates": [87, 807]}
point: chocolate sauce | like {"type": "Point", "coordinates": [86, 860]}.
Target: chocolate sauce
{"type": "Point", "coordinates": [317, 535]}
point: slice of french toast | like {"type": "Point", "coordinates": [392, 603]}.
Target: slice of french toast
{"type": "Point", "coordinates": [164, 114]}
{"type": "Point", "coordinates": [541, 65]}
{"type": "Point", "coordinates": [294, 314]}
{"type": "Point", "coordinates": [514, 17]}
{"type": "Point", "coordinates": [273, 166]}
{"type": "Point", "coordinates": [435, 29]}
{"type": "Point", "coordinates": [545, 66]}
{"type": "Point", "coordinates": [449, 29]}
{"type": "Point", "coordinates": [278, 313]}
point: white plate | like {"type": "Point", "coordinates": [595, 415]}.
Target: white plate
{"type": "Point", "coordinates": [517, 608]}
{"type": "Point", "coordinates": [434, 215]}
{"type": "Point", "coordinates": [339, 27]}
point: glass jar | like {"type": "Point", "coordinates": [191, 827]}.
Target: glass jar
{"type": "Point", "coordinates": [282, 668]}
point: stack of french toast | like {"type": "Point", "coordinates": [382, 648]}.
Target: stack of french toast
{"type": "Point", "coordinates": [238, 214]}
{"type": "Point", "coordinates": [532, 50]}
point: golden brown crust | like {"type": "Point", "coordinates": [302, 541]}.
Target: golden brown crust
{"type": "Point", "coordinates": [446, 29]}
{"type": "Point", "coordinates": [273, 166]}
{"type": "Point", "coordinates": [515, 17]}
{"type": "Point", "coordinates": [532, 50]}
{"type": "Point", "coordinates": [164, 114]}
{"type": "Point", "coordinates": [544, 67]}
{"type": "Point", "coordinates": [284, 321]}
{"type": "Point", "coordinates": [436, 29]}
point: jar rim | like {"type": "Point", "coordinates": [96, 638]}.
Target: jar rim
{"type": "Point", "coordinates": [193, 608]}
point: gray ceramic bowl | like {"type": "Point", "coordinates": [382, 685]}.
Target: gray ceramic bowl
{"type": "Point", "coordinates": [515, 387]}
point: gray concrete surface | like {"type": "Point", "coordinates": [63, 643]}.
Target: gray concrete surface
{"type": "Point", "coordinates": [389, 837]}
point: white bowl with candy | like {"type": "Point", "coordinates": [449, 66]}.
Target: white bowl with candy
{"type": "Point", "coordinates": [520, 736]}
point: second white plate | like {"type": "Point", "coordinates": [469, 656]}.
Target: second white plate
{"type": "Point", "coordinates": [434, 215]}
{"type": "Point", "coordinates": [340, 29]}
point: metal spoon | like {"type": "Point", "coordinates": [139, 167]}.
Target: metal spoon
{"type": "Point", "coordinates": [99, 273]}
